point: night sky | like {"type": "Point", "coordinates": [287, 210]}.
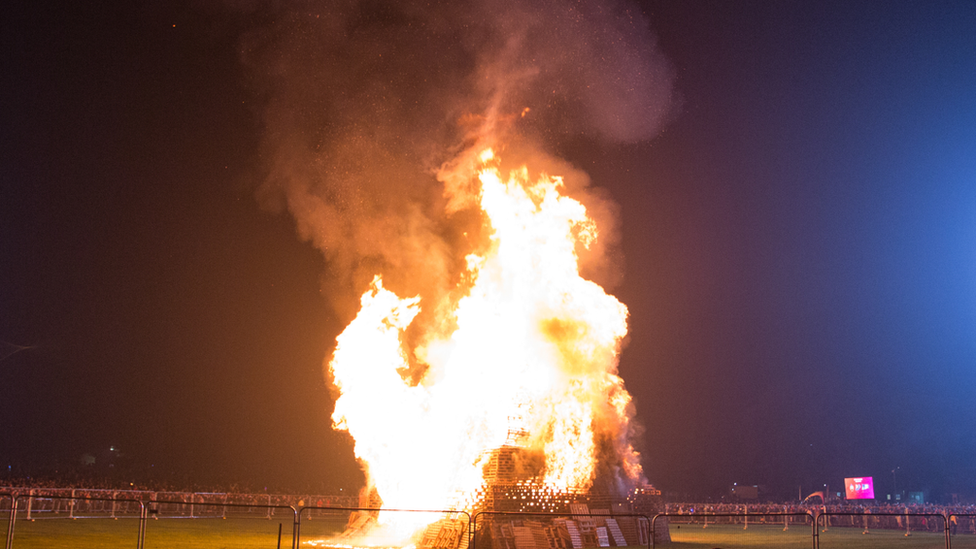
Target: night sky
{"type": "Point", "coordinates": [799, 244]}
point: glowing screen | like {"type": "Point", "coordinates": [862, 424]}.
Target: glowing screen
{"type": "Point", "coordinates": [859, 488]}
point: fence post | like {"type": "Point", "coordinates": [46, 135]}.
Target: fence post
{"type": "Point", "coordinates": [296, 527]}
{"type": "Point", "coordinates": [13, 518]}
{"type": "Point", "coordinates": [945, 517]}
{"type": "Point", "coordinates": [143, 521]}
{"type": "Point", "coordinates": [472, 538]}
{"type": "Point", "coordinates": [816, 528]}
{"type": "Point", "coordinates": [745, 518]}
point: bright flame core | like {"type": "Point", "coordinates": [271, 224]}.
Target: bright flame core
{"type": "Point", "coordinates": [535, 351]}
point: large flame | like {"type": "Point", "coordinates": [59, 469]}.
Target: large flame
{"type": "Point", "coordinates": [535, 351]}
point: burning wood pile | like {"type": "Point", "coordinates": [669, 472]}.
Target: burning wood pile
{"type": "Point", "coordinates": [415, 144]}
{"type": "Point", "coordinates": [514, 484]}
{"type": "Point", "coordinates": [518, 406]}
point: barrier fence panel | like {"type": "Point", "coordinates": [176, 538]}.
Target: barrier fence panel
{"type": "Point", "coordinates": [158, 520]}
{"type": "Point", "coordinates": [371, 527]}
{"type": "Point", "coordinates": [65, 521]}
{"type": "Point", "coordinates": [903, 530]}
{"type": "Point", "coordinates": [962, 531]}
{"type": "Point", "coordinates": [515, 529]}
{"type": "Point", "coordinates": [200, 522]}
{"type": "Point", "coordinates": [731, 530]}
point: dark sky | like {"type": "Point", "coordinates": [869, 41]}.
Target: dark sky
{"type": "Point", "coordinates": [800, 245]}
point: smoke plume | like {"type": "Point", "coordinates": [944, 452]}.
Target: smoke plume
{"type": "Point", "coordinates": [370, 108]}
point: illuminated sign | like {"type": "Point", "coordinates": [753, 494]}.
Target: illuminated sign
{"type": "Point", "coordinates": [859, 487]}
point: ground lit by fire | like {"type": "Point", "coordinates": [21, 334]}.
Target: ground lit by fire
{"type": "Point", "coordinates": [530, 361]}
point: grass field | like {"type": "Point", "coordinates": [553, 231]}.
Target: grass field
{"type": "Point", "coordinates": [263, 533]}
{"type": "Point", "coordinates": [160, 534]}
{"type": "Point", "coordinates": [691, 536]}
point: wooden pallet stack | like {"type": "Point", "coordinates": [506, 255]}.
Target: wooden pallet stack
{"type": "Point", "coordinates": [445, 534]}
{"type": "Point", "coordinates": [616, 533]}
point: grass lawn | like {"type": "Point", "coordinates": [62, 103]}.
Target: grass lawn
{"type": "Point", "coordinates": [691, 536]}
{"type": "Point", "coordinates": [215, 533]}
{"type": "Point", "coordinates": [210, 533]}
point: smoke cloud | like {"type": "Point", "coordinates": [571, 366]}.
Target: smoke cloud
{"type": "Point", "coordinates": [370, 108]}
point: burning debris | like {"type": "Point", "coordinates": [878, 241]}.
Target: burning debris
{"type": "Point", "coordinates": [514, 500]}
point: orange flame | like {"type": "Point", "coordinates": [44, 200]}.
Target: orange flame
{"type": "Point", "coordinates": [535, 350]}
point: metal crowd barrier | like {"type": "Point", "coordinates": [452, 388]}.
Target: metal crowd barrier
{"type": "Point", "coordinates": [936, 530]}
{"type": "Point", "coordinates": [170, 511]}
{"type": "Point", "coordinates": [46, 509]}
{"type": "Point", "coordinates": [74, 511]}
{"type": "Point", "coordinates": [884, 521]}
{"type": "Point", "coordinates": [772, 520]}
{"type": "Point", "coordinates": [962, 524]}
{"type": "Point", "coordinates": [332, 523]}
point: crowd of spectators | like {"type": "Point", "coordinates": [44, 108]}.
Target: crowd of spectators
{"type": "Point", "coordinates": [90, 478]}
{"type": "Point", "coordinates": [73, 492]}
{"type": "Point", "coordinates": [834, 506]}
{"type": "Point", "coordinates": [837, 513]}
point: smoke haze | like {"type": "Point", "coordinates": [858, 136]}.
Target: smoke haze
{"type": "Point", "coordinates": [370, 107]}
